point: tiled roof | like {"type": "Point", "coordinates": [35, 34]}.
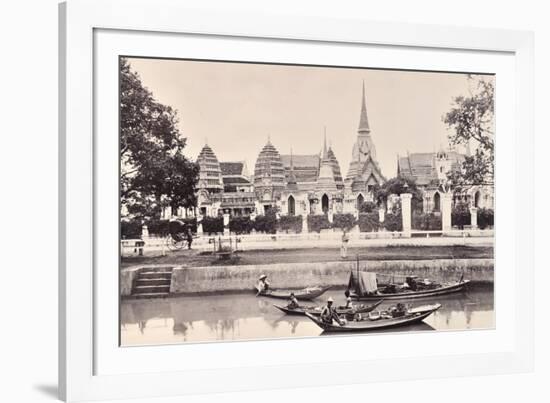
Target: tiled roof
{"type": "Point", "coordinates": [421, 166]}
{"type": "Point", "coordinates": [231, 168]}
{"type": "Point", "coordinates": [234, 180]}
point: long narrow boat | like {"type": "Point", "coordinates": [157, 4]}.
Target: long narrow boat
{"type": "Point", "coordinates": [316, 310]}
{"type": "Point", "coordinates": [305, 294]}
{"type": "Point", "coordinates": [410, 294]}
{"type": "Point", "coordinates": [412, 316]}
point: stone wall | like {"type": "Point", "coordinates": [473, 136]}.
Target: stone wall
{"type": "Point", "coordinates": [187, 280]}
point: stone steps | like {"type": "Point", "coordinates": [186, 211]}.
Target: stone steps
{"type": "Point", "coordinates": [152, 283]}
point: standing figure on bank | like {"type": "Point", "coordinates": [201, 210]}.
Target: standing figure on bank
{"type": "Point", "coordinates": [189, 237]}
{"type": "Point", "coordinates": [344, 247]}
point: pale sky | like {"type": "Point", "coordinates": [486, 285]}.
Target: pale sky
{"type": "Point", "coordinates": [236, 106]}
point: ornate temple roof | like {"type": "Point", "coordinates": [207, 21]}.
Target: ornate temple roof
{"type": "Point", "coordinates": [210, 174]}
{"type": "Point", "coordinates": [269, 170]}
{"type": "Point", "coordinates": [232, 168]}
{"type": "Point", "coordinates": [363, 118]}
{"type": "Point", "coordinates": [421, 166]}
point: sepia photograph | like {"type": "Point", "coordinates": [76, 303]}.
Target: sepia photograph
{"type": "Point", "coordinates": [266, 201]}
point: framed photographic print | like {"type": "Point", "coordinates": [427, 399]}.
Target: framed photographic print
{"type": "Point", "coordinates": [341, 192]}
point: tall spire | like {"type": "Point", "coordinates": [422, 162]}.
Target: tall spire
{"type": "Point", "coordinates": [325, 154]}
{"type": "Point", "coordinates": [363, 119]}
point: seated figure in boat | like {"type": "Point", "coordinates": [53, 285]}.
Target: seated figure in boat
{"type": "Point", "coordinates": [263, 284]}
{"type": "Point", "coordinates": [328, 314]}
{"type": "Point", "coordinates": [349, 303]}
{"type": "Point", "coordinates": [293, 303]}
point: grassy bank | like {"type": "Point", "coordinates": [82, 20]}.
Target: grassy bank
{"type": "Point", "coordinates": [312, 255]}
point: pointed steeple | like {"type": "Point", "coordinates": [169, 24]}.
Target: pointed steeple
{"type": "Point", "coordinates": [325, 153]}
{"type": "Point", "coordinates": [363, 119]}
{"type": "Point", "coordinates": [291, 183]}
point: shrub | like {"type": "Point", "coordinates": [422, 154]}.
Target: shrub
{"type": "Point", "coordinates": [240, 225]}
{"type": "Point", "coordinates": [367, 207]}
{"type": "Point", "coordinates": [426, 221]}
{"type": "Point", "coordinates": [369, 222]}
{"type": "Point", "coordinates": [343, 221]}
{"type": "Point", "coordinates": [318, 222]}
{"type": "Point", "coordinates": [485, 218]}
{"type": "Point", "coordinates": [212, 225]}
{"type": "Point", "coordinates": [291, 223]}
{"type": "Point", "coordinates": [159, 228]}
{"type": "Point", "coordinates": [460, 215]}
{"type": "Point", "coordinates": [393, 222]}
{"type": "Point", "coordinates": [130, 229]}
{"type": "Point", "coordinates": [266, 223]}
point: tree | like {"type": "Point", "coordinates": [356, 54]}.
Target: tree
{"type": "Point", "coordinates": [472, 119]}
{"type": "Point", "coordinates": [154, 171]}
{"type": "Point", "coordinates": [397, 186]}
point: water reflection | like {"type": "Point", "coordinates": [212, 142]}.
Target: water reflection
{"type": "Point", "coordinates": [244, 316]}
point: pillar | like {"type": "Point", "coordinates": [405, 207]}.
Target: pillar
{"type": "Point", "coordinates": [304, 224]}
{"type": "Point", "coordinates": [446, 209]}
{"type": "Point", "coordinates": [473, 217]}
{"type": "Point", "coordinates": [381, 215]}
{"type": "Point", "coordinates": [199, 224]}
{"type": "Point", "coordinates": [330, 215]}
{"type": "Point", "coordinates": [144, 232]}
{"type": "Point", "coordinates": [406, 213]}
{"type": "Point", "coordinates": [226, 224]}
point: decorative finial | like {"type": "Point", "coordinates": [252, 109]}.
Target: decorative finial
{"type": "Point", "coordinates": [325, 144]}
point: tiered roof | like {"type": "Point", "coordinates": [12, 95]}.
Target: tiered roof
{"type": "Point", "coordinates": [421, 166]}
{"type": "Point", "coordinates": [210, 174]}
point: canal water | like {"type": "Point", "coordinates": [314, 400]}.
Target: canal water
{"type": "Point", "coordinates": [244, 316]}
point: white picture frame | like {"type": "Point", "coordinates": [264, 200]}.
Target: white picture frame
{"type": "Point", "coordinates": [89, 366]}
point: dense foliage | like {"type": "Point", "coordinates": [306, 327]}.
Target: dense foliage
{"type": "Point", "coordinates": [485, 218]}
{"type": "Point", "coordinates": [393, 222]}
{"type": "Point", "coordinates": [154, 172]}
{"type": "Point", "coordinates": [212, 225]}
{"type": "Point", "coordinates": [426, 221]}
{"type": "Point", "coordinates": [318, 222]}
{"type": "Point", "coordinates": [472, 119]}
{"type": "Point", "coordinates": [368, 222]}
{"type": "Point", "coordinates": [290, 224]}
{"type": "Point", "coordinates": [397, 186]}
{"type": "Point", "coordinates": [266, 223]}
{"type": "Point", "coordinates": [241, 225]}
{"type": "Point", "coordinates": [460, 215]}
{"type": "Point", "coordinates": [344, 221]}
{"type": "Point", "coordinates": [367, 207]}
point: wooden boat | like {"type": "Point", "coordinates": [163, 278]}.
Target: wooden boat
{"type": "Point", "coordinates": [364, 290]}
{"type": "Point", "coordinates": [415, 315]}
{"type": "Point", "coordinates": [305, 294]}
{"type": "Point", "coordinates": [316, 310]}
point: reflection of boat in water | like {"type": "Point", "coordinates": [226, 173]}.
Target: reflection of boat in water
{"type": "Point", "coordinates": [306, 294]}
{"type": "Point", "coordinates": [316, 310]}
{"type": "Point", "coordinates": [366, 288]}
{"type": "Point", "coordinates": [409, 317]}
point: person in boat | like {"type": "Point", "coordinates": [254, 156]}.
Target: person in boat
{"type": "Point", "coordinates": [328, 314]}
{"type": "Point", "coordinates": [349, 303]}
{"type": "Point", "coordinates": [263, 284]}
{"type": "Point", "coordinates": [293, 304]}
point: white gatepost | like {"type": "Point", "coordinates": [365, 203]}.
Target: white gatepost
{"type": "Point", "coordinates": [446, 210]}
{"type": "Point", "coordinates": [406, 213]}
{"type": "Point", "coordinates": [381, 215]}
{"type": "Point", "coordinates": [144, 232]}
{"type": "Point", "coordinates": [304, 224]}
{"type": "Point", "coordinates": [199, 224]}
{"type": "Point", "coordinates": [226, 224]}
{"type": "Point", "coordinates": [473, 217]}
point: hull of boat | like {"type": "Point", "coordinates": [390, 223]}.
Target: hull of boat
{"type": "Point", "coordinates": [414, 294]}
{"type": "Point", "coordinates": [415, 316]}
{"type": "Point", "coordinates": [316, 311]}
{"type": "Point", "coordinates": [304, 295]}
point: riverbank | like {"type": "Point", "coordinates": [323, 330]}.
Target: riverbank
{"type": "Point", "coordinates": [187, 280]}
{"type": "Point", "coordinates": [195, 258]}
